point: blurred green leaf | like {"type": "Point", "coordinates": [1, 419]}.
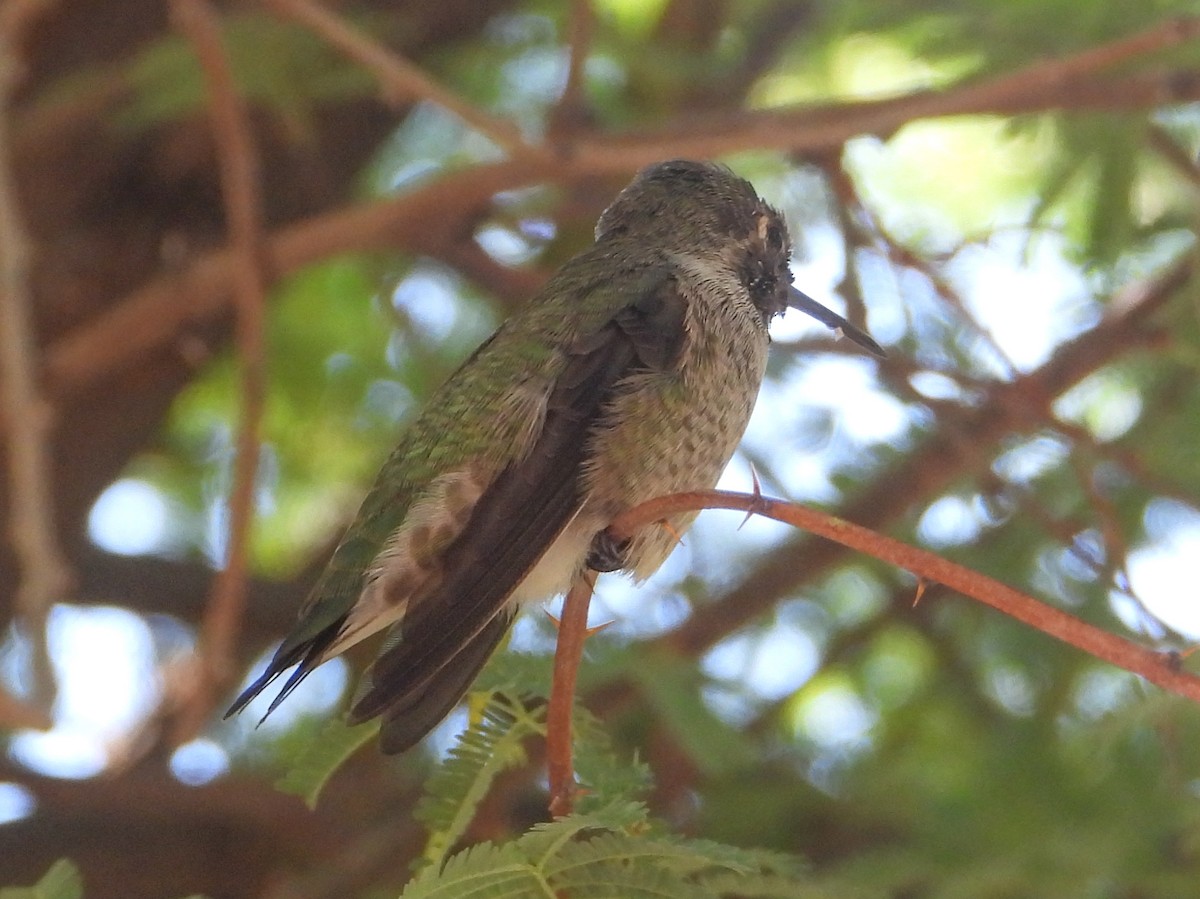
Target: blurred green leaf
{"type": "Point", "coordinates": [62, 881]}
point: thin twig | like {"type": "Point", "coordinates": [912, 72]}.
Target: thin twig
{"type": "Point", "coordinates": [1165, 145]}
{"type": "Point", "coordinates": [1107, 520]}
{"type": "Point", "coordinates": [897, 253]}
{"type": "Point", "coordinates": [1153, 666]}
{"type": "Point", "coordinates": [570, 113]}
{"type": "Point", "coordinates": [240, 190]}
{"type": "Point", "coordinates": [45, 575]}
{"type": "Point", "coordinates": [400, 80]}
{"type": "Point", "coordinates": [572, 632]}
{"type": "Point", "coordinates": [17, 18]}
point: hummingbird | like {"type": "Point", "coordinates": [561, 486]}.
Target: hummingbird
{"type": "Point", "coordinates": [632, 374]}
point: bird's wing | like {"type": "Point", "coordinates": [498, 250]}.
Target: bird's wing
{"type": "Point", "coordinates": [515, 520]}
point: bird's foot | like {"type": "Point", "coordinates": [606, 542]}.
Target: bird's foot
{"type": "Point", "coordinates": [607, 553]}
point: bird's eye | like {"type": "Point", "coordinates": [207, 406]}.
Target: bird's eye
{"type": "Point", "coordinates": [775, 237]}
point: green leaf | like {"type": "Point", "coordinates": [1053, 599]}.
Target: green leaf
{"type": "Point", "coordinates": [543, 841]}
{"type": "Point", "coordinates": [604, 776]}
{"type": "Point", "coordinates": [485, 871]}
{"type": "Point", "coordinates": [491, 745]}
{"type": "Point", "coordinates": [629, 879]}
{"type": "Point", "coordinates": [62, 881]}
{"type": "Point", "coordinates": [322, 756]}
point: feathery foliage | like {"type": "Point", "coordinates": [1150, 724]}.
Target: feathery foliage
{"type": "Point", "coordinates": [316, 760]}
{"type": "Point", "coordinates": [491, 745]}
{"type": "Point", "coordinates": [613, 851]}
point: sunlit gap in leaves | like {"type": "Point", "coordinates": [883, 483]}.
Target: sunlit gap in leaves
{"type": "Point", "coordinates": [428, 142]}
{"type": "Point", "coordinates": [199, 761]}
{"type": "Point", "coordinates": [765, 664]}
{"type": "Point", "coordinates": [104, 661]}
{"type": "Point", "coordinates": [1010, 687]}
{"type": "Point", "coordinates": [429, 297]}
{"type": "Point", "coordinates": [505, 245]}
{"type": "Point", "coordinates": [528, 70]}
{"type": "Point", "coordinates": [831, 717]}
{"type": "Point", "coordinates": [1102, 691]}
{"type": "Point", "coordinates": [1106, 403]}
{"type": "Point", "coordinates": [951, 521]}
{"type": "Point", "coordinates": [1025, 461]}
{"type": "Point", "coordinates": [1162, 571]}
{"type": "Point", "coordinates": [770, 663]}
{"type": "Point", "coordinates": [1025, 293]}
{"type": "Point", "coordinates": [131, 517]}
{"type": "Point", "coordinates": [16, 802]}
{"type": "Point", "coordinates": [218, 485]}
{"type": "Point", "coordinates": [435, 318]}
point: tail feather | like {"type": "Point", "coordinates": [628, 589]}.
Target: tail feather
{"type": "Point", "coordinates": [306, 656]}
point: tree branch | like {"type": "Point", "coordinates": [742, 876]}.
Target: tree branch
{"type": "Point", "coordinates": [571, 113]}
{"type": "Point", "coordinates": [1154, 666]}
{"type": "Point", "coordinates": [401, 81]}
{"type": "Point", "coordinates": [45, 575]}
{"type": "Point", "coordinates": [243, 204]}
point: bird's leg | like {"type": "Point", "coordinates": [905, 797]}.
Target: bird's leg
{"type": "Point", "coordinates": [572, 631]}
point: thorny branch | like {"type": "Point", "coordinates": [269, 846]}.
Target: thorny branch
{"type": "Point", "coordinates": [1153, 666]}
{"type": "Point", "coordinates": [250, 268]}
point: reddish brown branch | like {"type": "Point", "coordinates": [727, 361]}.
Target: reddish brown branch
{"type": "Point", "coordinates": [1153, 666]}
{"type": "Point", "coordinates": [243, 204]}
{"type": "Point", "coordinates": [572, 632]}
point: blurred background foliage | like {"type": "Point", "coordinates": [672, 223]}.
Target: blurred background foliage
{"type": "Point", "coordinates": [1028, 268]}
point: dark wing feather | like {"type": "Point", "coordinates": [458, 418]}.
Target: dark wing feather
{"type": "Point", "coordinates": [520, 515]}
{"type": "Point", "coordinates": [406, 722]}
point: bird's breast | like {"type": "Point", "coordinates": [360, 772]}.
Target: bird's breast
{"type": "Point", "coordinates": [676, 430]}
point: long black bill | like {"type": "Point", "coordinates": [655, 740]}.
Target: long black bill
{"type": "Point", "coordinates": [805, 303]}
